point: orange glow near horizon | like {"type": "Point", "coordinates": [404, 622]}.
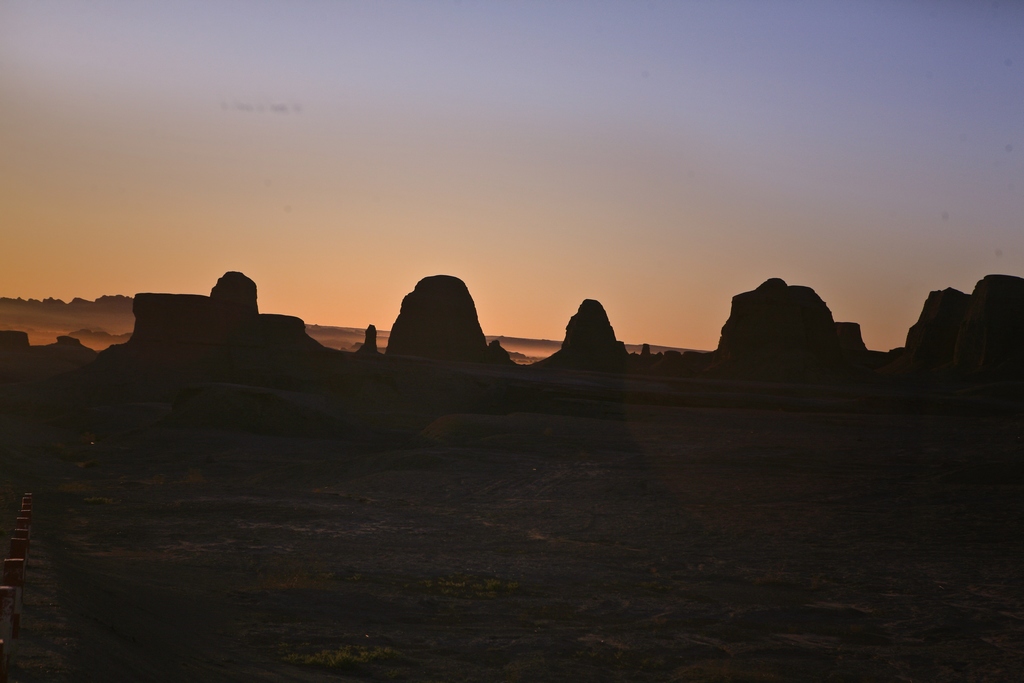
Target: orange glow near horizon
{"type": "Point", "coordinates": [539, 179]}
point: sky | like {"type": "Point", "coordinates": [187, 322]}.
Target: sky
{"type": "Point", "coordinates": [660, 157]}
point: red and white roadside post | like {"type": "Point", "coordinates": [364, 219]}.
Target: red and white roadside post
{"type": "Point", "coordinates": [12, 586]}
{"type": "Point", "coordinates": [14, 576]}
{"type": "Point", "coordinates": [21, 535]}
{"type": "Point", "coordinates": [8, 599]}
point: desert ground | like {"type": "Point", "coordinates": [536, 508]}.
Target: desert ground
{"type": "Point", "coordinates": [617, 530]}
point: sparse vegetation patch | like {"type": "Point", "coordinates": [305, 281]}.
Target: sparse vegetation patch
{"type": "Point", "coordinates": [466, 586]}
{"type": "Point", "coordinates": [344, 657]}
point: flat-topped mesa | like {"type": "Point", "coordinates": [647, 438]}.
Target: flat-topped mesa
{"type": "Point", "coordinates": [21, 362]}
{"type": "Point", "coordinates": [590, 343]}
{"type": "Point", "coordinates": [857, 353]}
{"type": "Point", "coordinates": [370, 343]}
{"type": "Point", "coordinates": [931, 341]}
{"type": "Point", "coordinates": [438, 320]}
{"type": "Point", "coordinates": [991, 337]}
{"type": "Point", "coordinates": [235, 288]}
{"type": "Point", "coordinates": [186, 319]}
{"type": "Point", "coordinates": [228, 316]}
{"type": "Point", "coordinates": [70, 342]}
{"type": "Point", "coordinates": [778, 332]}
{"type": "Point", "coordinates": [13, 340]}
{"type": "Point", "coordinates": [850, 338]}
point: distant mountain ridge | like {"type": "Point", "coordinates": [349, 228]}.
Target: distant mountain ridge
{"type": "Point", "coordinates": [45, 320]}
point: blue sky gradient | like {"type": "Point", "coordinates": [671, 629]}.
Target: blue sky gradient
{"type": "Point", "coordinates": [658, 156]}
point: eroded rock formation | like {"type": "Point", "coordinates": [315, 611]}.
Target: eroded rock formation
{"type": "Point", "coordinates": [235, 288]}
{"type": "Point", "coordinates": [12, 340]}
{"type": "Point", "coordinates": [850, 338]}
{"type": "Point", "coordinates": [991, 337]}
{"type": "Point", "coordinates": [497, 355]}
{"type": "Point", "coordinates": [590, 343]}
{"type": "Point", "coordinates": [931, 341]}
{"type": "Point", "coordinates": [682, 364]}
{"type": "Point", "coordinates": [186, 338]}
{"type": "Point", "coordinates": [65, 340]}
{"type": "Point", "coordinates": [856, 352]}
{"type": "Point", "coordinates": [779, 332]}
{"type": "Point", "coordinates": [438, 320]}
{"type": "Point", "coordinates": [370, 343]}
{"type": "Point", "coordinates": [20, 362]}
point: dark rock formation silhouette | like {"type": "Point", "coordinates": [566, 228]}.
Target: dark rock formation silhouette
{"type": "Point", "coordinates": [65, 340]}
{"type": "Point", "coordinates": [497, 355]}
{"type": "Point", "coordinates": [181, 339]}
{"type": "Point", "coordinates": [685, 364]}
{"type": "Point", "coordinates": [438, 320]}
{"type": "Point", "coordinates": [849, 337]}
{"type": "Point", "coordinates": [856, 353]}
{"type": "Point", "coordinates": [779, 332]}
{"type": "Point", "coordinates": [20, 362]}
{"type": "Point", "coordinates": [186, 319]}
{"type": "Point", "coordinates": [643, 362]}
{"type": "Point", "coordinates": [13, 340]}
{"type": "Point", "coordinates": [590, 343]}
{"type": "Point", "coordinates": [98, 340]}
{"type": "Point", "coordinates": [370, 343]}
{"type": "Point", "coordinates": [45, 320]}
{"type": "Point", "coordinates": [991, 337]}
{"type": "Point", "coordinates": [931, 341]}
{"type": "Point", "coordinates": [235, 288]}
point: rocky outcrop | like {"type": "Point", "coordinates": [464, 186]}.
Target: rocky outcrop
{"type": "Point", "coordinates": [182, 339]}
{"type": "Point", "coordinates": [72, 342]}
{"type": "Point", "coordinates": [590, 343]}
{"type": "Point", "coordinates": [849, 337]}
{"type": "Point", "coordinates": [20, 362]}
{"type": "Point", "coordinates": [235, 288]}
{"type": "Point", "coordinates": [991, 337]}
{"type": "Point", "coordinates": [856, 353]}
{"type": "Point", "coordinates": [644, 362]}
{"type": "Point", "coordinates": [438, 320]}
{"type": "Point", "coordinates": [931, 341]}
{"type": "Point", "coordinates": [497, 355]}
{"type": "Point", "coordinates": [370, 343]}
{"type": "Point", "coordinates": [682, 364]}
{"type": "Point", "coordinates": [13, 340]}
{"type": "Point", "coordinates": [779, 332]}
{"type": "Point", "coordinates": [186, 319]}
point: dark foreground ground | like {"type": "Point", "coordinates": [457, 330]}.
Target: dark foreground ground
{"type": "Point", "coordinates": [660, 544]}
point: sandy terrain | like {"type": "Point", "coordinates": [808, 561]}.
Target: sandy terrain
{"type": "Point", "coordinates": [653, 544]}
